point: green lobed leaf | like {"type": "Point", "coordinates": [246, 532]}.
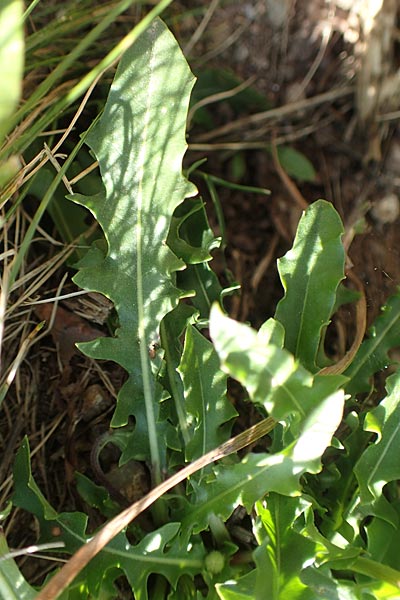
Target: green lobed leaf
{"type": "Point", "coordinates": [373, 353]}
{"type": "Point", "coordinates": [258, 474]}
{"type": "Point", "coordinates": [383, 538]}
{"type": "Point", "coordinates": [271, 375]}
{"type": "Point", "coordinates": [26, 492]}
{"type": "Point", "coordinates": [241, 589]}
{"type": "Point", "coordinates": [239, 484]}
{"type": "Point", "coordinates": [192, 240]}
{"type": "Point", "coordinates": [271, 332]}
{"type": "Point", "coordinates": [325, 586]}
{"type": "Point", "coordinates": [171, 330]}
{"type": "Point", "coordinates": [346, 562]}
{"type": "Point", "coordinates": [311, 272]}
{"type": "Point", "coordinates": [282, 552]}
{"type": "Point", "coordinates": [380, 462]}
{"type": "Point", "coordinates": [335, 488]}
{"type": "Point", "coordinates": [201, 280]}
{"type": "Point", "coordinates": [139, 142]}
{"type": "Point", "coordinates": [190, 236]}
{"type": "Point", "coordinates": [96, 496]}
{"type": "Point", "coordinates": [207, 408]}
{"type": "Point", "coordinates": [328, 550]}
{"type": "Point", "coordinates": [162, 551]}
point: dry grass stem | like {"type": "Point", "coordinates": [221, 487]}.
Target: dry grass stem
{"type": "Point", "coordinates": [277, 113]}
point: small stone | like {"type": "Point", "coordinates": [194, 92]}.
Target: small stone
{"type": "Point", "coordinates": [386, 209]}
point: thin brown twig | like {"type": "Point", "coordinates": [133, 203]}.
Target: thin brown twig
{"type": "Point", "coordinates": [251, 143]}
{"type": "Point", "coordinates": [201, 28]}
{"type": "Point", "coordinates": [276, 113]}
{"type": "Point", "coordinates": [264, 263]}
{"type": "Point", "coordinates": [287, 182]}
{"type": "Point", "coordinates": [219, 97]}
{"type": "Point", "coordinates": [361, 324]}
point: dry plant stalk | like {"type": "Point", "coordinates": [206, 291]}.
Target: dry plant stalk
{"type": "Point", "coordinates": [378, 82]}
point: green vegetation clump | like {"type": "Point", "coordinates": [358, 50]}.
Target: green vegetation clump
{"type": "Point", "coordinates": [319, 480]}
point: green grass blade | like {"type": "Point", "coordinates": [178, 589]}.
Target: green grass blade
{"type": "Point", "coordinates": [11, 60]}
{"type": "Point", "coordinates": [13, 586]}
{"type": "Point", "coordinates": [68, 99]}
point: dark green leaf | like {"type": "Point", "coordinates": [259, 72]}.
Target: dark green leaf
{"type": "Point", "coordinates": [311, 272]}
{"type": "Point", "coordinates": [163, 551]}
{"type": "Point", "coordinates": [373, 356]}
{"type": "Point", "coordinates": [296, 164]}
{"type": "Point", "coordinates": [207, 408]}
{"type": "Point", "coordinates": [271, 375]}
{"type": "Point", "coordinates": [380, 463]}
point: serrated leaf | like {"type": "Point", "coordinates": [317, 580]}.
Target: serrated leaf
{"type": "Point", "coordinates": [162, 551]}
{"type": "Point", "coordinates": [192, 240]}
{"type": "Point", "coordinates": [201, 280]}
{"type": "Point", "coordinates": [310, 273]}
{"type": "Point", "coordinates": [380, 462]}
{"type": "Point", "coordinates": [271, 375]}
{"type": "Point", "coordinates": [282, 552]}
{"type": "Point", "coordinates": [373, 356]}
{"type": "Point", "coordinates": [139, 142]}
{"type": "Point", "coordinates": [258, 474]}
{"type": "Point", "coordinates": [240, 484]}
{"type": "Point", "coordinates": [171, 329]}
{"type": "Point", "coordinates": [95, 496]}
{"type": "Point", "coordinates": [206, 405]}
{"type": "Point", "coordinates": [190, 236]}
